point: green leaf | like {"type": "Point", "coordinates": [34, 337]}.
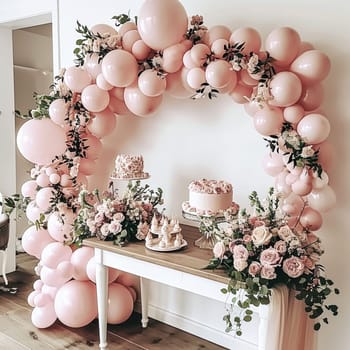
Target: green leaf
{"type": "Point", "coordinates": [247, 318]}
{"type": "Point", "coordinates": [317, 326]}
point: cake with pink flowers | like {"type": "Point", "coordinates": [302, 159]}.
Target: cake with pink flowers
{"type": "Point", "coordinates": [209, 197]}
{"type": "Point", "coordinates": [129, 167]}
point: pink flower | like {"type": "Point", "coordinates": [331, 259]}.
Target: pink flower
{"type": "Point", "coordinates": [99, 218]}
{"type": "Point", "coordinates": [118, 217]}
{"type": "Point", "coordinates": [247, 238]}
{"type": "Point", "coordinates": [231, 246]}
{"type": "Point", "coordinates": [114, 227]}
{"type": "Point", "coordinates": [293, 267]}
{"type": "Point", "coordinates": [285, 233]}
{"type": "Point", "coordinates": [270, 257]}
{"type": "Point", "coordinates": [268, 272]}
{"type": "Point", "coordinates": [254, 268]}
{"type": "Point", "coordinates": [240, 252]}
{"type": "Point", "coordinates": [240, 264]}
{"type": "Point", "coordinates": [104, 230]}
{"type": "Point", "coordinates": [281, 247]}
{"type": "Point", "coordinates": [219, 250]}
{"type": "Point", "coordinates": [261, 235]}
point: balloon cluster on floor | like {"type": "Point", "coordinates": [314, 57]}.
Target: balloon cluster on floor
{"type": "Point", "coordinates": [126, 71]}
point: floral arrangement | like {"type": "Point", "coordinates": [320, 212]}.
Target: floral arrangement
{"type": "Point", "coordinates": [120, 219]}
{"type": "Point", "coordinates": [261, 250]}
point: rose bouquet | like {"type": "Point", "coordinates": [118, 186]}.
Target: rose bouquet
{"type": "Point", "coordinates": [119, 219]}
{"type": "Point", "coordinates": [261, 250]}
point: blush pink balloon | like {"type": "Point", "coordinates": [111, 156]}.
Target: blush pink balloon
{"type": "Point", "coordinates": [77, 78]}
{"type": "Point", "coordinates": [102, 83]}
{"type": "Point", "coordinates": [217, 32]}
{"type": "Point", "coordinates": [38, 285]}
{"type": "Point", "coordinates": [31, 297]}
{"type": "Point", "coordinates": [140, 104]}
{"type": "Point", "coordinates": [87, 166]}
{"type": "Point", "coordinates": [285, 88]}
{"type": "Point", "coordinates": [247, 79]}
{"type": "Point", "coordinates": [29, 189]}
{"type": "Point", "coordinates": [119, 68]}
{"type": "Point", "coordinates": [34, 241]}
{"type": "Point", "coordinates": [65, 269]}
{"type": "Point", "coordinates": [59, 230]}
{"type": "Point", "coordinates": [322, 200]}
{"type": "Point", "coordinates": [249, 36]}
{"type": "Point", "coordinates": [280, 183]}
{"type": "Point", "coordinates": [120, 304]}
{"type": "Point", "coordinates": [241, 93]}
{"type": "Point", "coordinates": [311, 66]}
{"type": "Point", "coordinates": [33, 211]}
{"type": "Point", "coordinates": [54, 253]}
{"type": "Point", "coordinates": [153, 23]}
{"type": "Point", "coordinates": [125, 27]}
{"type": "Point", "coordinates": [91, 271]}
{"type": "Point", "coordinates": [301, 188]}
{"type": "Point", "coordinates": [102, 124]}
{"type": "Point", "coordinates": [311, 219]}
{"type": "Point", "coordinates": [199, 54]}
{"type": "Point", "coordinates": [52, 278]}
{"type": "Point", "coordinates": [293, 204]}
{"type": "Point", "coordinates": [268, 121]}
{"type": "Point", "coordinates": [42, 299]}
{"type": "Point", "coordinates": [49, 290]}
{"type": "Point", "coordinates": [172, 58]}
{"type": "Point", "coordinates": [283, 45]}
{"type": "Point", "coordinates": [43, 180]}
{"type": "Point", "coordinates": [129, 39]}
{"type": "Point", "coordinates": [79, 260]}
{"type": "Point", "coordinates": [40, 140]}
{"type": "Point", "coordinates": [58, 111]}
{"type": "Point", "coordinates": [312, 97]}
{"type": "Point", "coordinates": [305, 46]}
{"type": "Point", "coordinates": [118, 107]}
{"type": "Point", "coordinates": [93, 144]}
{"type": "Point", "coordinates": [319, 182]}
{"type": "Point", "coordinates": [177, 84]}
{"type": "Point", "coordinates": [140, 50]}
{"type": "Point", "coordinates": [314, 128]}
{"type": "Point", "coordinates": [44, 317]}
{"type": "Point", "coordinates": [293, 114]}
{"type": "Point", "coordinates": [196, 77]}
{"type": "Point", "coordinates": [188, 61]}
{"type": "Point", "coordinates": [217, 73]}
{"type": "Point", "coordinates": [43, 198]}
{"type": "Point", "coordinates": [128, 279]}
{"type": "Point", "coordinates": [94, 99]}
{"type": "Point", "coordinates": [103, 29]}
{"type": "Point", "coordinates": [151, 83]}
{"type": "Point", "coordinates": [92, 65]}
{"type": "Point", "coordinates": [218, 47]}
{"type": "Point", "coordinates": [232, 83]}
{"type": "Point", "coordinates": [273, 163]}
{"type": "Point", "coordinates": [251, 107]}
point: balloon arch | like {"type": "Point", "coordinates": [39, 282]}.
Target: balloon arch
{"type": "Point", "coordinates": [126, 71]}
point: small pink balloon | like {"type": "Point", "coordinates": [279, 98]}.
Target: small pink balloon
{"type": "Point", "coordinates": [66, 180]}
{"type": "Point", "coordinates": [311, 66]}
{"type": "Point", "coordinates": [217, 32]}
{"type": "Point", "coordinates": [314, 128]}
{"type": "Point", "coordinates": [76, 303]}
{"type": "Point", "coordinates": [79, 260]}
{"type": "Point", "coordinates": [291, 178]}
{"type": "Point", "coordinates": [29, 189]}
{"type": "Point", "coordinates": [77, 78]}
{"type": "Point", "coordinates": [38, 285]}
{"type": "Point", "coordinates": [43, 180]}
{"type": "Point", "coordinates": [322, 200]}
{"type": "Point", "coordinates": [93, 144]}
{"type": "Point", "coordinates": [311, 219]}
{"type": "Point", "coordinates": [283, 45]}
{"type": "Point", "coordinates": [217, 73]}
{"type": "Point", "coordinates": [34, 241]}
{"type": "Point", "coordinates": [119, 68]}
{"type": "Point", "coordinates": [285, 88]}
{"type": "Point", "coordinates": [33, 211]}
{"type": "Point", "coordinates": [249, 36]}
{"type": "Point", "coordinates": [312, 97]}
{"type": "Point", "coordinates": [58, 111]}
{"type": "Point", "coordinates": [241, 93]}
{"type": "Point", "coordinates": [102, 124]}
{"type": "Point", "coordinates": [51, 277]}
{"type": "Point", "coordinates": [319, 182]}
{"type": "Point", "coordinates": [218, 47]}
{"type": "Point", "coordinates": [43, 198]}
{"type": "Point", "coordinates": [93, 65]}
{"type": "Point", "coordinates": [125, 27]}
{"type": "Point", "coordinates": [195, 78]}
{"type": "Point", "coordinates": [232, 83]}
{"type": "Point", "coordinates": [103, 29]}
{"type": "Point", "coordinates": [118, 93]}
{"type": "Point", "coordinates": [252, 107]}
{"type": "Point", "coordinates": [247, 79]}
{"type": "Point", "coordinates": [151, 83]}
{"type": "Point", "coordinates": [65, 269]}
{"type": "Point", "coordinates": [42, 299]}
{"type": "Point", "coordinates": [120, 304]}
{"type": "Point", "coordinates": [305, 46]}
{"type": "Point", "coordinates": [54, 253]}
{"type": "Point", "coordinates": [54, 179]}
{"type": "Point", "coordinates": [172, 58]}
{"type": "Point", "coordinates": [129, 39]}
{"type": "Point", "coordinates": [153, 23]}
{"type": "Point", "coordinates": [301, 188]}
{"type": "Point", "coordinates": [268, 121]}
{"type": "Point", "coordinates": [50, 291]}
{"type": "Point", "coordinates": [199, 54]}
{"type": "Point", "coordinates": [188, 61]}
{"type": "Point", "coordinates": [44, 317]}
{"type": "Point", "coordinates": [94, 99]}
{"type": "Point", "coordinates": [140, 50]}
{"type": "Point", "coordinates": [273, 164]}
{"type": "Point", "coordinates": [293, 204]}
{"type": "Point", "coordinates": [140, 104]}
{"type": "Point", "coordinates": [177, 84]}
{"type": "Point", "coordinates": [293, 114]}
{"type": "Point", "coordinates": [280, 183]}
{"type": "Point", "coordinates": [87, 166]}
{"type": "Point", "coordinates": [102, 83]}
{"type": "Point", "coordinates": [31, 297]}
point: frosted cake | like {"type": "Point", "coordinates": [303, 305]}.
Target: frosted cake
{"type": "Point", "coordinates": [129, 167]}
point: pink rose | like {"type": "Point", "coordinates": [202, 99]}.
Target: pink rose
{"type": "Point", "coordinates": [285, 233]}
{"type": "Point", "coordinates": [270, 257]}
{"type": "Point", "coordinates": [268, 272]}
{"type": "Point", "coordinates": [254, 268]}
{"type": "Point", "coordinates": [240, 264]}
{"type": "Point", "coordinates": [247, 238]}
{"type": "Point", "coordinates": [240, 252]}
{"type": "Point", "coordinates": [231, 246]}
{"type": "Point", "coordinates": [115, 227]}
{"type": "Point", "coordinates": [261, 235]}
{"type": "Point", "coordinates": [118, 217]}
{"type": "Point", "coordinates": [293, 267]}
{"type": "Point", "coordinates": [219, 250]}
{"type": "Point", "coordinates": [281, 247]}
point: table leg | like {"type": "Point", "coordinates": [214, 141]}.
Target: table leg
{"type": "Point", "coordinates": [144, 301]}
{"type": "Point", "coordinates": [4, 258]}
{"type": "Point", "coordinates": [102, 298]}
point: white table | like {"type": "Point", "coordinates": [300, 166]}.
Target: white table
{"type": "Point", "coordinates": [182, 269]}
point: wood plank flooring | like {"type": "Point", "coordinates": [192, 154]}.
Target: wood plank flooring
{"type": "Point", "coordinates": [18, 333]}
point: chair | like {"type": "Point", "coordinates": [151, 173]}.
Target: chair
{"type": "Point", "coordinates": [4, 238]}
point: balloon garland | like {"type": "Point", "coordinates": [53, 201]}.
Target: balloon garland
{"type": "Point", "coordinates": [126, 70]}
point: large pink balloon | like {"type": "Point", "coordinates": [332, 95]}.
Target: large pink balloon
{"type": "Point", "coordinates": [77, 78]}
{"type": "Point", "coordinates": [58, 228]}
{"type": "Point", "coordinates": [76, 304]}
{"type": "Point", "coordinates": [283, 45]}
{"type": "Point", "coordinates": [140, 104]}
{"type": "Point", "coordinates": [45, 316]}
{"type": "Point", "coordinates": [79, 260]}
{"type": "Point", "coordinates": [94, 99]}
{"type": "Point", "coordinates": [120, 303]}
{"type": "Point", "coordinates": [87, 166]}
{"type": "Point", "coordinates": [154, 21]}
{"type": "Point", "coordinates": [273, 163]}
{"type": "Point", "coordinates": [102, 124]}
{"type": "Point", "coordinates": [119, 68]}
{"type": "Point", "coordinates": [151, 83]}
{"type": "Point", "coordinates": [249, 36]}
{"type": "Point", "coordinates": [40, 140]}
{"type": "Point", "coordinates": [322, 200]}
{"type": "Point", "coordinates": [311, 66]}
{"type": "Point", "coordinates": [314, 128]}
{"type": "Point", "coordinates": [34, 241]}
{"type": "Point", "coordinates": [196, 77]}
{"type": "Point", "coordinates": [54, 253]}
{"type": "Point", "coordinates": [58, 110]}
{"type": "Point", "coordinates": [268, 121]}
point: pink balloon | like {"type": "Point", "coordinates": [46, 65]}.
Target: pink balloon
{"type": "Point", "coordinates": [42, 299]}
{"type": "Point", "coordinates": [293, 114]}
{"type": "Point", "coordinates": [268, 121]}
{"type": "Point", "coordinates": [43, 198]}
{"type": "Point", "coordinates": [312, 97]}
{"type": "Point", "coordinates": [44, 317]}
{"type": "Point", "coordinates": [217, 32]}
{"type": "Point", "coordinates": [217, 73]}
{"type": "Point", "coordinates": [43, 180]}
{"type": "Point", "coordinates": [188, 61]}
{"type": "Point", "coordinates": [51, 277]}
{"type": "Point", "coordinates": [151, 84]}
{"type": "Point", "coordinates": [247, 79]}
{"type": "Point", "coordinates": [153, 23]}
{"type": "Point", "coordinates": [54, 253]}
{"type": "Point", "coordinates": [301, 188]}
{"type": "Point", "coordinates": [65, 269]}
{"type": "Point", "coordinates": [77, 78]}
{"type": "Point", "coordinates": [195, 78]}
{"type": "Point", "coordinates": [91, 271]}
{"type": "Point", "coordinates": [79, 260]}
{"type": "Point", "coordinates": [40, 140]}
{"type": "Point", "coordinates": [314, 128]}
{"type": "Point", "coordinates": [249, 36]}
{"type": "Point", "coordinates": [49, 290]}
{"type": "Point", "coordinates": [140, 50]}
{"type": "Point", "coordinates": [129, 39]}
{"type": "Point", "coordinates": [33, 211]}
{"type": "Point", "coordinates": [118, 107]}
{"type": "Point", "coordinates": [319, 182]}
{"type": "Point", "coordinates": [322, 200]}
{"type": "Point", "coordinates": [128, 279]}
{"type": "Point", "coordinates": [140, 104]}
{"type": "Point", "coordinates": [58, 228]}
{"type": "Point", "coordinates": [92, 65]}
{"type": "Point", "coordinates": [273, 164]}
{"type": "Point", "coordinates": [31, 297]}
{"type": "Point", "coordinates": [58, 111]}
{"type": "Point", "coordinates": [232, 83]}
{"type": "Point", "coordinates": [120, 304]}
{"type": "Point", "coordinates": [117, 92]}
{"type": "Point", "coordinates": [177, 84]}
{"type": "Point", "coordinates": [293, 204]}
{"type": "Point", "coordinates": [29, 189]}
{"type": "Point", "coordinates": [241, 93]}
{"type": "Point", "coordinates": [125, 27]}
{"type": "Point", "coordinates": [76, 304]}
{"type": "Point", "coordinates": [119, 68]}
{"type": "Point", "coordinates": [218, 47]}
{"type": "Point", "coordinates": [252, 107]}
{"type": "Point", "coordinates": [94, 99]}
{"type": "Point", "coordinates": [199, 54]}
{"type": "Point", "coordinates": [38, 285]}
{"type": "Point", "coordinates": [87, 166]}
{"type": "Point", "coordinates": [66, 180]}
{"type": "Point", "coordinates": [54, 179]}
{"type": "Point", "coordinates": [94, 146]}
{"type": "Point", "coordinates": [172, 58]}
{"type": "Point", "coordinates": [326, 155]}
{"type": "Point", "coordinates": [102, 83]}
{"type": "Point", "coordinates": [311, 219]}
{"type": "Point", "coordinates": [102, 124]}
{"type": "Point", "coordinates": [283, 45]}
{"type": "Point", "coordinates": [103, 29]}
{"type": "Point", "coordinates": [285, 88]}
{"type": "Point", "coordinates": [280, 183]}
{"type": "Point", "coordinates": [311, 66]}
{"type": "Point", "coordinates": [34, 241]}
{"type": "Point", "coordinates": [305, 46]}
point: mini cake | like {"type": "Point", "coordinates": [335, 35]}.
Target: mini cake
{"type": "Point", "coordinates": [209, 197]}
{"type": "Point", "coordinates": [129, 167]}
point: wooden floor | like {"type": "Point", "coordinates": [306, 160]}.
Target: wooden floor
{"type": "Point", "coordinates": [17, 332]}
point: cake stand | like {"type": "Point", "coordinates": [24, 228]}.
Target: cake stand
{"type": "Point", "coordinates": [113, 178]}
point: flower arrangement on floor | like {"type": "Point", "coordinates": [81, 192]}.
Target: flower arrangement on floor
{"type": "Point", "coordinates": [262, 250]}
{"type": "Point", "coordinates": [120, 219]}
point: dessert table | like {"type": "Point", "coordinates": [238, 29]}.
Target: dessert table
{"type": "Point", "coordinates": [184, 269]}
